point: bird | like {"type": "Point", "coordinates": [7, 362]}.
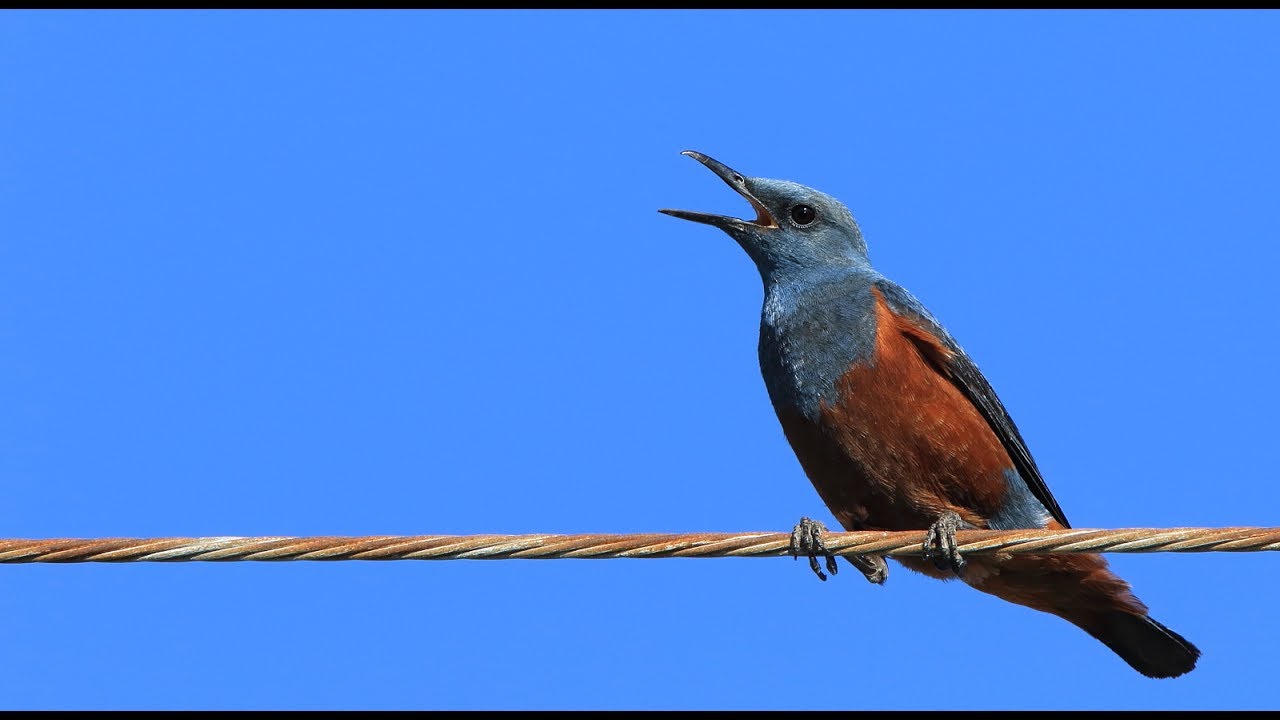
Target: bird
{"type": "Point", "coordinates": [897, 428]}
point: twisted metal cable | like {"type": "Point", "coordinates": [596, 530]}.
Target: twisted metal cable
{"type": "Point", "coordinates": [600, 546]}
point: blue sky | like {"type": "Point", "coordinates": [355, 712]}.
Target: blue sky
{"type": "Point", "coordinates": [382, 273]}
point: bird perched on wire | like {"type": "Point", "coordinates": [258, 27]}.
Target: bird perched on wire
{"type": "Point", "coordinates": [898, 430]}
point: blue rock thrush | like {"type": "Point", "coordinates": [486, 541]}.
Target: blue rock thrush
{"type": "Point", "coordinates": [898, 430]}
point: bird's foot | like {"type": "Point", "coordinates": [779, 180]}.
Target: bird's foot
{"type": "Point", "coordinates": [940, 543]}
{"type": "Point", "coordinates": [806, 539]}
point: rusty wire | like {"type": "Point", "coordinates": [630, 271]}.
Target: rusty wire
{"type": "Point", "coordinates": [601, 546]}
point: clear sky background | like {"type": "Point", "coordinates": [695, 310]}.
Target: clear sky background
{"type": "Point", "coordinates": [382, 273]}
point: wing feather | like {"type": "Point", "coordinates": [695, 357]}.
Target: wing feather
{"type": "Point", "coordinates": [960, 370]}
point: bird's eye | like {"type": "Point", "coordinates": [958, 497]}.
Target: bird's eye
{"type": "Point", "coordinates": [803, 215]}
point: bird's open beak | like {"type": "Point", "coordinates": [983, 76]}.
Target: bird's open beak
{"type": "Point", "coordinates": [734, 180]}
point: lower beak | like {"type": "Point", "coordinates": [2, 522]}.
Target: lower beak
{"type": "Point", "coordinates": [734, 180]}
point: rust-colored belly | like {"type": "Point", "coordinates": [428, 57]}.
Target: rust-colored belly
{"type": "Point", "coordinates": [902, 444]}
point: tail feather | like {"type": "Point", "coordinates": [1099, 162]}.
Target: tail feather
{"type": "Point", "coordinates": [1149, 647]}
{"type": "Point", "coordinates": [1082, 590]}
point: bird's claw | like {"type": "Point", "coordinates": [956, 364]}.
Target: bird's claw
{"type": "Point", "coordinates": [806, 539]}
{"type": "Point", "coordinates": [872, 567]}
{"type": "Point", "coordinates": [940, 543]}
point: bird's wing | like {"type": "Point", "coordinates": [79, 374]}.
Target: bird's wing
{"type": "Point", "coordinates": [956, 366]}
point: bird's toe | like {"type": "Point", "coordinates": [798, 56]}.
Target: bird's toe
{"type": "Point", "coordinates": [806, 539]}
{"type": "Point", "coordinates": [940, 543]}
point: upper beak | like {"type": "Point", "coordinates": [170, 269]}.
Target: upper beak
{"type": "Point", "coordinates": [734, 180]}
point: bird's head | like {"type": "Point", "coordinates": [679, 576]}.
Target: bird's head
{"type": "Point", "coordinates": [797, 230]}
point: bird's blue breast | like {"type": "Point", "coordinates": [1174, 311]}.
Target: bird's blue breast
{"type": "Point", "coordinates": [812, 330]}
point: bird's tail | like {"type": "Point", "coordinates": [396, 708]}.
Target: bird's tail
{"type": "Point", "coordinates": [1082, 590]}
{"type": "Point", "coordinates": [1149, 647]}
